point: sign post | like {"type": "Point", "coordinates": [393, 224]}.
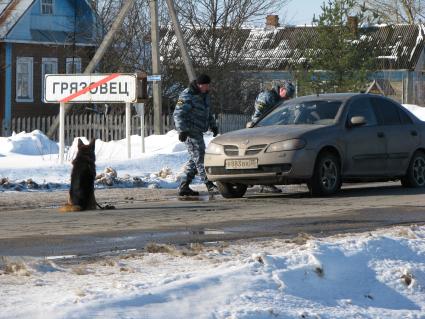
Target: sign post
{"type": "Point", "coordinates": [127, 128]}
{"type": "Point", "coordinates": [140, 109]}
{"type": "Point", "coordinates": [61, 132]}
{"type": "Point", "coordinates": [95, 88]}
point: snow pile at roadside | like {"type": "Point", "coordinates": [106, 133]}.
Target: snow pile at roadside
{"type": "Point", "coordinates": [34, 143]}
{"type": "Point", "coordinates": [372, 275]}
{"type": "Point", "coordinates": [29, 161]}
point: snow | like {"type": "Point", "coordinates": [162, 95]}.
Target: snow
{"type": "Point", "coordinates": [33, 155]}
{"type": "Point", "coordinates": [379, 274]}
{"type": "Point", "coordinates": [369, 275]}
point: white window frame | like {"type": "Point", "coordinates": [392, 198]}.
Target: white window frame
{"type": "Point", "coordinates": [73, 64]}
{"type": "Point", "coordinates": [46, 7]}
{"type": "Point", "coordinates": [44, 62]}
{"type": "Point", "coordinates": [30, 62]}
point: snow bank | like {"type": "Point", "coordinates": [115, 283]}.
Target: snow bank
{"type": "Point", "coordinates": [32, 156]}
{"type": "Point", "coordinates": [371, 275]}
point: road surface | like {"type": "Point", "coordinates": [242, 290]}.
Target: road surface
{"type": "Point", "coordinates": [30, 224]}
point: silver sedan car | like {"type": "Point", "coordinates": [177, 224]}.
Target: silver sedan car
{"type": "Point", "coordinates": [323, 141]}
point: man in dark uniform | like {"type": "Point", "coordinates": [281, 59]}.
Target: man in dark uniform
{"type": "Point", "coordinates": [265, 102]}
{"type": "Point", "coordinates": [193, 117]}
{"type": "Point", "coordinates": [268, 99]}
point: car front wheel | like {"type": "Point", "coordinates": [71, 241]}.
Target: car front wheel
{"type": "Point", "coordinates": [326, 179]}
{"type": "Point", "coordinates": [229, 190]}
{"type": "Point", "coordinates": [415, 175]}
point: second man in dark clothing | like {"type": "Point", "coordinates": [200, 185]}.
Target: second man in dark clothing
{"type": "Point", "coordinates": [264, 103]}
{"type": "Point", "coordinates": [193, 117]}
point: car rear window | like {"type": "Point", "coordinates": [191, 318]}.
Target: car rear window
{"type": "Point", "coordinates": [319, 112]}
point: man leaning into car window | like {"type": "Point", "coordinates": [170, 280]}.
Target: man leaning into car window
{"type": "Point", "coordinates": [265, 102]}
{"type": "Point", "coordinates": [193, 117]}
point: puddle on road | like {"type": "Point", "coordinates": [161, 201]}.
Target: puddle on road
{"type": "Point", "coordinates": [201, 198]}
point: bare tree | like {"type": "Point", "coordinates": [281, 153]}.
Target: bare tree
{"type": "Point", "coordinates": [215, 31]}
{"type": "Point", "coordinates": [394, 11]}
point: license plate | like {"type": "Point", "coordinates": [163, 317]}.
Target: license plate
{"type": "Point", "coordinates": [241, 164]}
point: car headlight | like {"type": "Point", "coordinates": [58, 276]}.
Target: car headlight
{"type": "Point", "coordinates": [215, 149]}
{"type": "Point", "coordinates": [288, 145]}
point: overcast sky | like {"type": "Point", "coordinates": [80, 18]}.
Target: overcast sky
{"type": "Point", "coordinates": [300, 12]}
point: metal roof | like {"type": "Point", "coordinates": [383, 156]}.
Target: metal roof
{"type": "Point", "coordinates": [11, 11]}
{"type": "Point", "coordinates": [399, 46]}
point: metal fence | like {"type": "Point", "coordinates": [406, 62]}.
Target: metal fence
{"type": "Point", "coordinates": [112, 127]}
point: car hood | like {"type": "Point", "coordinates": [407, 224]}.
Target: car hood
{"type": "Point", "coordinates": [264, 135]}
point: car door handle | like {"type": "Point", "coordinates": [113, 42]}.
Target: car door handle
{"type": "Point", "coordinates": [381, 134]}
{"type": "Point", "coordinates": [413, 133]}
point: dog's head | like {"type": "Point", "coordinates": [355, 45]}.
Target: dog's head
{"type": "Point", "coordinates": [87, 150]}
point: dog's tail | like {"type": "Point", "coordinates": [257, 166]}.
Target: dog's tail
{"type": "Point", "coordinates": [70, 208]}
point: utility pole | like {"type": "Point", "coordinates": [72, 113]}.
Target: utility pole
{"type": "Point", "coordinates": [156, 70]}
{"type": "Point", "coordinates": [100, 52]}
{"type": "Point", "coordinates": [178, 31]}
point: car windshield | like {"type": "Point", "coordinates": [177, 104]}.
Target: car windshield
{"type": "Point", "coordinates": [320, 112]}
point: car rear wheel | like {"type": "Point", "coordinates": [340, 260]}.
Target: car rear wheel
{"type": "Point", "coordinates": [326, 179]}
{"type": "Point", "coordinates": [229, 190]}
{"type": "Point", "coordinates": [415, 175]}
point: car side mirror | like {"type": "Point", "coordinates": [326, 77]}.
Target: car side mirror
{"type": "Point", "coordinates": [357, 121]}
{"type": "Point", "coordinates": [249, 124]}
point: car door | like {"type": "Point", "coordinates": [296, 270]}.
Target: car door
{"type": "Point", "coordinates": [401, 134]}
{"type": "Point", "coordinates": [365, 145]}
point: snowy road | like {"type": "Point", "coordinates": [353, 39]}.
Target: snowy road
{"type": "Point", "coordinates": [31, 224]}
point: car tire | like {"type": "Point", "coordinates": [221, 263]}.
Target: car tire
{"type": "Point", "coordinates": [415, 175]}
{"type": "Point", "coordinates": [229, 190]}
{"type": "Point", "coordinates": [326, 179]}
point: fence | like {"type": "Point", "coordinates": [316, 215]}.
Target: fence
{"type": "Point", "coordinates": [112, 127]}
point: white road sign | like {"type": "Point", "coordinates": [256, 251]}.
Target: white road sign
{"type": "Point", "coordinates": [97, 88]}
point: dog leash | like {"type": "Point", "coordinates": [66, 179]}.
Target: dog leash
{"type": "Point", "coordinates": [107, 206]}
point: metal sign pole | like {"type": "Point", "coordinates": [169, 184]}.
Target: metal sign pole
{"type": "Point", "coordinates": [127, 128]}
{"type": "Point", "coordinates": [61, 132]}
{"type": "Point", "coordinates": [142, 125]}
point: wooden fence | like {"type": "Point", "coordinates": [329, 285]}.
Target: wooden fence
{"type": "Point", "coordinates": [112, 127]}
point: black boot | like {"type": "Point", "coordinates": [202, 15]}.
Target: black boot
{"type": "Point", "coordinates": [211, 187]}
{"type": "Point", "coordinates": [185, 190]}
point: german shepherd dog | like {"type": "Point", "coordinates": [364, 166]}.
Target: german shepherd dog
{"type": "Point", "coordinates": [83, 174]}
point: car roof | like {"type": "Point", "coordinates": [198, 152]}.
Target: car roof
{"type": "Point", "coordinates": [327, 96]}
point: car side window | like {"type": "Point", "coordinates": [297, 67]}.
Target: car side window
{"type": "Point", "coordinates": [387, 111]}
{"type": "Point", "coordinates": [405, 119]}
{"type": "Point", "coordinates": [362, 107]}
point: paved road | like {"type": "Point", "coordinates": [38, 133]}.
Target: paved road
{"type": "Point", "coordinates": [31, 225]}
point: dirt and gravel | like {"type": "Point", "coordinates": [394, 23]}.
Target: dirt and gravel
{"type": "Point", "coordinates": [30, 223]}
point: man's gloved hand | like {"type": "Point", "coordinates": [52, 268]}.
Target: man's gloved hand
{"type": "Point", "coordinates": [214, 130]}
{"type": "Point", "coordinates": [183, 136]}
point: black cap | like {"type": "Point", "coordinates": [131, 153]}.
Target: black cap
{"type": "Point", "coordinates": [203, 79]}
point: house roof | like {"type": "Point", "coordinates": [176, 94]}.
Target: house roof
{"type": "Point", "coordinates": [399, 46]}
{"type": "Point", "coordinates": [11, 11]}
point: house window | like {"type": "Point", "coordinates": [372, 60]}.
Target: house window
{"type": "Point", "coordinates": [47, 7]}
{"type": "Point", "coordinates": [48, 66]}
{"type": "Point", "coordinates": [73, 65]}
{"type": "Point", "coordinates": [24, 79]}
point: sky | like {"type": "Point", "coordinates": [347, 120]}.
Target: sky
{"type": "Point", "coordinates": [300, 12]}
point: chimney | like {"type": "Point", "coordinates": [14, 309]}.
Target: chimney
{"type": "Point", "coordinates": [353, 25]}
{"type": "Point", "coordinates": [272, 21]}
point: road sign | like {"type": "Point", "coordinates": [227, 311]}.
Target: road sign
{"type": "Point", "coordinates": [96, 88]}
{"type": "Point", "coordinates": [154, 78]}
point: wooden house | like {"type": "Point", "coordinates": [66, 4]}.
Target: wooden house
{"type": "Point", "coordinates": [38, 37]}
